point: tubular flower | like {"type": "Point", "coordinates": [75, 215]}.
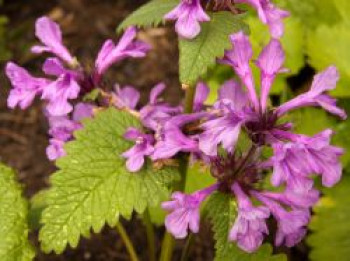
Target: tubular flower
{"type": "Point", "coordinates": [184, 211]}
{"type": "Point", "coordinates": [212, 134]}
{"type": "Point", "coordinates": [188, 15]}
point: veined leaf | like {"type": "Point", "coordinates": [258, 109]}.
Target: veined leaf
{"type": "Point", "coordinates": [150, 14]}
{"type": "Point", "coordinates": [331, 224]}
{"type": "Point", "coordinates": [222, 211]}
{"type": "Point", "coordinates": [197, 55]}
{"type": "Point", "coordinates": [93, 186]}
{"type": "Point", "coordinates": [14, 244]}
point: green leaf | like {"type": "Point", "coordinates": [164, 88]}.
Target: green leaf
{"type": "Point", "coordinates": [330, 225]}
{"type": "Point", "coordinates": [199, 54]}
{"type": "Point", "coordinates": [198, 177]}
{"type": "Point", "coordinates": [329, 45]}
{"type": "Point", "coordinates": [342, 139]}
{"type": "Point", "coordinates": [14, 244]}
{"type": "Point", "coordinates": [310, 121]}
{"type": "Point", "coordinates": [222, 211]}
{"type": "Point", "coordinates": [313, 12]}
{"type": "Point", "coordinates": [93, 186]}
{"type": "Point", "coordinates": [150, 14]}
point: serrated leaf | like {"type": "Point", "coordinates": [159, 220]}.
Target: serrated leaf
{"type": "Point", "coordinates": [93, 186]}
{"type": "Point", "coordinates": [14, 243]}
{"type": "Point", "coordinates": [329, 45]}
{"type": "Point", "coordinates": [330, 225]}
{"type": "Point", "coordinates": [150, 14]}
{"type": "Point", "coordinates": [222, 210]}
{"type": "Point", "coordinates": [199, 54]}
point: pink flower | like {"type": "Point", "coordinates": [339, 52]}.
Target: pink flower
{"type": "Point", "coordinates": [290, 225]}
{"type": "Point", "coordinates": [224, 129]}
{"type": "Point", "coordinates": [143, 147]}
{"type": "Point", "coordinates": [111, 53]}
{"type": "Point", "coordinates": [126, 97]}
{"type": "Point", "coordinates": [250, 225]}
{"type": "Point", "coordinates": [270, 62]}
{"type": "Point", "coordinates": [25, 86]}
{"type": "Point", "coordinates": [188, 15]}
{"type": "Point", "coordinates": [269, 14]}
{"type": "Point", "coordinates": [239, 58]}
{"type": "Point", "coordinates": [305, 156]}
{"type": "Point", "coordinates": [324, 81]}
{"type": "Point", "coordinates": [50, 35]}
{"type": "Point", "coordinates": [184, 211]}
{"type": "Point", "coordinates": [59, 92]}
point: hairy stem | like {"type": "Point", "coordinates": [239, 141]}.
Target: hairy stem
{"type": "Point", "coordinates": [168, 240]}
{"type": "Point", "coordinates": [129, 246]}
{"type": "Point", "coordinates": [150, 236]}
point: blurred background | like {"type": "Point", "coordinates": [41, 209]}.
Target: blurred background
{"type": "Point", "coordinates": [317, 35]}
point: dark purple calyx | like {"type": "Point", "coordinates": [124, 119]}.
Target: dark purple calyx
{"type": "Point", "coordinates": [230, 169]}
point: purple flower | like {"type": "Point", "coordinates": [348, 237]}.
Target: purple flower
{"type": "Point", "coordinates": [202, 92]}
{"type": "Point", "coordinates": [25, 86]}
{"type": "Point", "coordinates": [225, 128]}
{"type": "Point", "coordinates": [305, 156]}
{"type": "Point", "coordinates": [324, 81]}
{"type": "Point", "coordinates": [143, 147]}
{"type": "Point", "coordinates": [269, 14]}
{"type": "Point", "coordinates": [250, 225]}
{"type": "Point", "coordinates": [50, 35]}
{"type": "Point", "coordinates": [82, 111]}
{"type": "Point", "coordinates": [59, 92]}
{"type": "Point", "coordinates": [156, 112]}
{"type": "Point", "coordinates": [127, 97]}
{"type": "Point", "coordinates": [171, 139]}
{"type": "Point", "coordinates": [55, 150]}
{"type": "Point", "coordinates": [54, 67]}
{"type": "Point", "coordinates": [291, 225]}
{"type": "Point", "coordinates": [270, 62]}
{"type": "Point", "coordinates": [294, 198]}
{"type": "Point", "coordinates": [239, 57]}
{"type": "Point", "coordinates": [184, 211]}
{"type": "Point", "coordinates": [232, 93]}
{"type": "Point", "coordinates": [111, 53]}
{"type": "Point", "coordinates": [62, 128]}
{"type": "Point", "coordinates": [188, 14]}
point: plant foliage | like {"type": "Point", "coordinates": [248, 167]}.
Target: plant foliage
{"type": "Point", "coordinates": [93, 186]}
{"type": "Point", "coordinates": [14, 244]}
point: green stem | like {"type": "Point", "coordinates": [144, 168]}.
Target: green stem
{"type": "Point", "coordinates": [189, 98]}
{"type": "Point", "coordinates": [186, 250]}
{"type": "Point", "coordinates": [129, 246]}
{"type": "Point", "coordinates": [150, 236]}
{"type": "Point", "coordinates": [168, 240]}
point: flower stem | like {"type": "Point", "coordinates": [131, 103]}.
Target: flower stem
{"type": "Point", "coordinates": [168, 240]}
{"type": "Point", "coordinates": [129, 246]}
{"type": "Point", "coordinates": [150, 236]}
{"type": "Point", "coordinates": [189, 98]}
{"type": "Point", "coordinates": [186, 250]}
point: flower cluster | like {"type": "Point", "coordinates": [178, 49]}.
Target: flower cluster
{"type": "Point", "coordinates": [189, 13]}
{"type": "Point", "coordinates": [66, 81]}
{"type": "Point", "coordinates": [296, 158]}
{"type": "Point", "coordinates": [209, 133]}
